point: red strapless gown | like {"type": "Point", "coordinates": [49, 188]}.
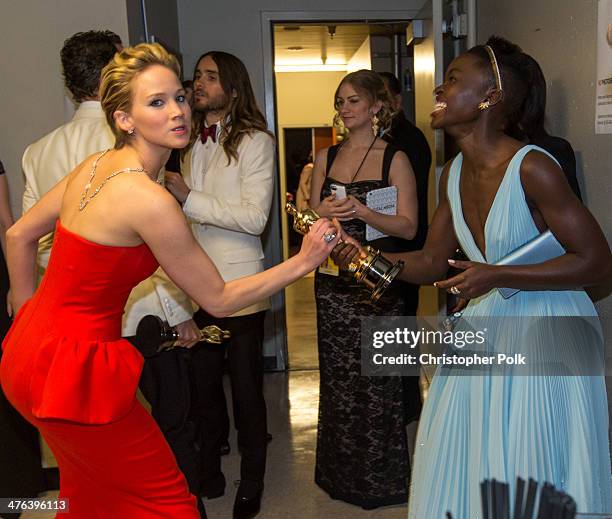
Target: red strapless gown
{"type": "Point", "coordinates": [67, 370]}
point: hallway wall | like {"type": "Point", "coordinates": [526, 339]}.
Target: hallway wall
{"type": "Point", "coordinates": [563, 41]}
{"type": "Point", "coordinates": [304, 100]}
{"type": "Point", "coordinates": [33, 100]}
{"type": "Point", "coordinates": [235, 26]}
{"type": "Point", "coordinates": [162, 22]}
{"type": "Point", "coordinates": [426, 77]}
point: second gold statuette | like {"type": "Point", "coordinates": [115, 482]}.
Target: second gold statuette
{"type": "Point", "coordinates": [154, 335]}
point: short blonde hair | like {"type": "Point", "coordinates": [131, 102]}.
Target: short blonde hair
{"type": "Point", "coordinates": [117, 76]}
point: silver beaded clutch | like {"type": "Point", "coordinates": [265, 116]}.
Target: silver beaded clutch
{"type": "Point", "coordinates": [541, 248]}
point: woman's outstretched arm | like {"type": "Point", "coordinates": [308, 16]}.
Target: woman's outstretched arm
{"type": "Point", "coordinates": [162, 225]}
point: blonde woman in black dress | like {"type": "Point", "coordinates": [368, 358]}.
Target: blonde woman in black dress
{"type": "Point", "coordinates": [362, 454]}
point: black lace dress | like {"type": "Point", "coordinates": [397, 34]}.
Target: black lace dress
{"type": "Point", "coordinates": [362, 455]}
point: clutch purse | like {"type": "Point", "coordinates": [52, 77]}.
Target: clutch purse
{"type": "Point", "coordinates": [541, 248]}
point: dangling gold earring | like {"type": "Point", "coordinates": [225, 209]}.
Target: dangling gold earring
{"type": "Point", "coordinates": [341, 130]}
{"type": "Point", "coordinates": [484, 105]}
{"type": "Point", "coordinates": [375, 122]}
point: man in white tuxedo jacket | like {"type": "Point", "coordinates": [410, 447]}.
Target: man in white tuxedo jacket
{"type": "Point", "coordinates": [226, 190]}
{"type": "Point", "coordinates": [46, 162]}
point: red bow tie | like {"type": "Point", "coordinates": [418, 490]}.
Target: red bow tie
{"type": "Point", "coordinates": [210, 131]}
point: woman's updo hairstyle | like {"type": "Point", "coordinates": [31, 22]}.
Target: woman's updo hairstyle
{"type": "Point", "coordinates": [117, 76]}
{"type": "Point", "coordinates": [515, 69]}
{"type": "Point", "coordinates": [370, 85]}
{"type": "Point", "coordinates": [533, 114]}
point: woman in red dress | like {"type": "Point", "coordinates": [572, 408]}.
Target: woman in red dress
{"type": "Point", "coordinates": [65, 367]}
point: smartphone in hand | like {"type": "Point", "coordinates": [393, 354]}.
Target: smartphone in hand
{"type": "Point", "coordinates": [338, 190]}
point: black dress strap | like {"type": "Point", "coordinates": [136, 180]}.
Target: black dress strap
{"type": "Point", "coordinates": [389, 153]}
{"type": "Point", "coordinates": [332, 151]}
{"type": "Point", "coordinates": [390, 243]}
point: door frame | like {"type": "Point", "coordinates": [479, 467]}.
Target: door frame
{"type": "Point", "coordinates": [277, 330]}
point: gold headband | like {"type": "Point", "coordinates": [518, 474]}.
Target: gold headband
{"type": "Point", "coordinates": [495, 66]}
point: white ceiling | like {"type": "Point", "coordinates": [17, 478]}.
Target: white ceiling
{"type": "Point", "coordinates": [315, 44]}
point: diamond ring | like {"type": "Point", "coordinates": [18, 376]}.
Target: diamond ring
{"type": "Point", "coordinates": [454, 290]}
{"type": "Point", "coordinates": [329, 236]}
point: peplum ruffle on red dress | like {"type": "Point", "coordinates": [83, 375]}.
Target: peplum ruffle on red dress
{"type": "Point", "coordinates": [67, 370]}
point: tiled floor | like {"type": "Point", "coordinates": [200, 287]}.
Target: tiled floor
{"type": "Point", "coordinates": [302, 324]}
{"type": "Point", "coordinates": [290, 491]}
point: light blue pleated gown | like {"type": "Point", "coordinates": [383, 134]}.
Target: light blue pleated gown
{"type": "Point", "coordinates": [476, 427]}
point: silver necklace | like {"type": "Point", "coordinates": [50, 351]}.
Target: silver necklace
{"type": "Point", "coordinates": [85, 198]}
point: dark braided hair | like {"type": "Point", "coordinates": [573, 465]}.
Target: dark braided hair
{"type": "Point", "coordinates": [520, 98]}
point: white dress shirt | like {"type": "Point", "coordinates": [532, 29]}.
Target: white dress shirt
{"type": "Point", "coordinates": [201, 157]}
{"type": "Point", "coordinates": [229, 203]}
{"type": "Point", "coordinates": [51, 158]}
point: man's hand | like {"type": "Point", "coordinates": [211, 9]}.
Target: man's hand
{"type": "Point", "coordinates": [176, 185]}
{"type": "Point", "coordinates": [189, 333]}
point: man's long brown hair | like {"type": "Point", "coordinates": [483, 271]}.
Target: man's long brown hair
{"type": "Point", "coordinates": [245, 115]}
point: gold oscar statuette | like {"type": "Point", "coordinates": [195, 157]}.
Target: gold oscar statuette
{"type": "Point", "coordinates": [154, 335]}
{"type": "Point", "coordinates": [374, 271]}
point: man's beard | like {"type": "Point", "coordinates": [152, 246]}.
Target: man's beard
{"type": "Point", "coordinates": [215, 104]}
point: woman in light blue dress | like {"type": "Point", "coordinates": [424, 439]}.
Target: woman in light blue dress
{"type": "Point", "coordinates": [497, 194]}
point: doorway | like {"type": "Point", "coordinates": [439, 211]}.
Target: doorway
{"type": "Point", "coordinates": [310, 60]}
{"type": "Point", "coordinates": [301, 146]}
